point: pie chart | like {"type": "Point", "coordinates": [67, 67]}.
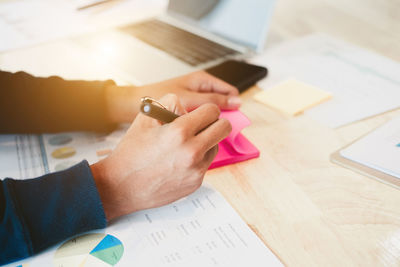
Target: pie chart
{"type": "Point", "coordinates": [89, 250]}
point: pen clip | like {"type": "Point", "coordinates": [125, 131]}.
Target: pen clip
{"type": "Point", "coordinates": [148, 99]}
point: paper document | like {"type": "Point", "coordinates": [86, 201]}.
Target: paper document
{"type": "Point", "coordinates": [21, 156]}
{"type": "Point", "coordinates": [199, 230]}
{"type": "Point", "coordinates": [64, 150]}
{"type": "Point", "coordinates": [379, 150]}
{"type": "Point", "coordinates": [362, 83]}
{"type": "Point", "coordinates": [29, 156]}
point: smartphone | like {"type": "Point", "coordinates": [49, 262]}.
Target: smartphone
{"type": "Point", "coordinates": [240, 74]}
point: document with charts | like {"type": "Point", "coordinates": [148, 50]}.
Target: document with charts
{"type": "Point", "coordinates": [363, 83]}
{"type": "Point", "coordinates": [199, 230]}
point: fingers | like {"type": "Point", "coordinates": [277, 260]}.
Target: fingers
{"type": "Point", "coordinates": [209, 156]}
{"type": "Point", "coordinates": [201, 127]}
{"type": "Point", "coordinates": [204, 82]}
{"type": "Point", "coordinates": [199, 119]}
{"type": "Point", "coordinates": [204, 147]}
{"type": "Point", "coordinates": [214, 134]}
{"type": "Point", "coordinates": [224, 102]}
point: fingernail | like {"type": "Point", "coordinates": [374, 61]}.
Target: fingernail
{"type": "Point", "coordinates": [234, 101]}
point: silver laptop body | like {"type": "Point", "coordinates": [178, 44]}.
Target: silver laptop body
{"type": "Point", "coordinates": [190, 35]}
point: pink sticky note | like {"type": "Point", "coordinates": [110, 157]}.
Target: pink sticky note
{"type": "Point", "coordinates": [235, 147]}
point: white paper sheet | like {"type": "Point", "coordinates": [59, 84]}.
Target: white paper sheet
{"type": "Point", "coordinates": [379, 150]}
{"type": "Point", "coordinates": [363, 83]}
{"type": "Point", "coordinates": [200, 230]}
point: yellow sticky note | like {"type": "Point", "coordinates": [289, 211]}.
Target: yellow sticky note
{"type": "Point", "coordinates": [292, 97]}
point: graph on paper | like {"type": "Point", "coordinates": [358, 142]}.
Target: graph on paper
{"type": "Point", "coordinates": [89, 250]}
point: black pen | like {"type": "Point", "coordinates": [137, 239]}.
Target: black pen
{"type": "Point", "coordinates": [158, 112]}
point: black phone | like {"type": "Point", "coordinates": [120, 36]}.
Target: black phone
{"type": "Point", "coordinates": [240, 74]}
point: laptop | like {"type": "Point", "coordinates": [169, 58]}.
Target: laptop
{"type": "Point", "coordinates": [190, 35]}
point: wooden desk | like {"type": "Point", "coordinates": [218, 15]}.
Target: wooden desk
{"type": "Point", "coordinates": [309, 211]}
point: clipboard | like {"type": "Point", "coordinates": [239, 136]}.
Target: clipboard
{"type": "Point", "coordinates": [382, 177]}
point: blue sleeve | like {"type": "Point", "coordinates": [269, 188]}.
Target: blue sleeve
{"type": "Point", "coordinates": [38, 213]}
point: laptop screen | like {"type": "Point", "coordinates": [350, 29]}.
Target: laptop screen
{"type": "Point", "coordinates": [241, 21]}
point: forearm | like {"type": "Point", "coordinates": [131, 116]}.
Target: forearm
{"type": "Point", "coordinates": [32, 105]}
{"type": "Point", "coordinates": [38, 213]}
{"type": "Point", "coordinates": [123, 102]}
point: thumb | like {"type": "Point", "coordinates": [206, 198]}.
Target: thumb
{"type": "Point", "coordinates": [172, 103]}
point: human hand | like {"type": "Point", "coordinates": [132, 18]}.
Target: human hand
{"type": "Point", "coordinates": [198, 88]}
{"type": "Point", "coordinates": [193, 90]}
{"type": "Point", "coordinates": [156, 164]}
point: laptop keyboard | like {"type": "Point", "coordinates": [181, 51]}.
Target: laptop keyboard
{"type": "Point", "coordinates": [179, 43]}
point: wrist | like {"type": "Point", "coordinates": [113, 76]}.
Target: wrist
{"type": "Point", "coordinates": [122, 103]}
{"type": "Point", "coordinates": [104, 188]}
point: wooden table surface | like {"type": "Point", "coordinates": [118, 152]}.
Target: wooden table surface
{"type": "Point", "coordinates": [309, 211]}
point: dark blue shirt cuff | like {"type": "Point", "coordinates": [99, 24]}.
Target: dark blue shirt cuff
{"type": "Point", "coordinates": [41, 212]}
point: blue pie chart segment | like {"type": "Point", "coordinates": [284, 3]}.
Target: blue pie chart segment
{"type": "Point", "coordinates": [109, 250]}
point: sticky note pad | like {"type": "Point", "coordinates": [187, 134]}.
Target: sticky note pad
{"type": "Point", "coordinates": [292, 97]}
{"type": "Point", "coordinates": [235, 147]}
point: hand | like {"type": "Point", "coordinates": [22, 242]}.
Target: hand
{"type": "Point", "coordinates": [156, 164]}
{"type": "Point", "coordinates": [193, 90]}
{"type": "Point", "coordinates": [196, 89]}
